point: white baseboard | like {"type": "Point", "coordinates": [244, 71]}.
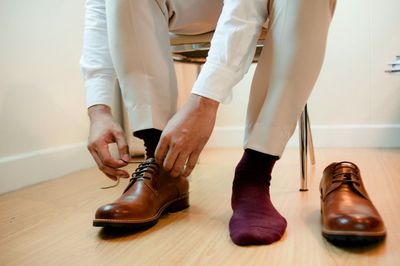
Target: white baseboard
{"type": "Point", "coordinates": [31, 168]}
{"type": "Point", "coordinates": [375, 136]}
{"type": "Point", "coordinates": [34, 167]}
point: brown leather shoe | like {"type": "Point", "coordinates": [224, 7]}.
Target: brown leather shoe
{"type": "Point", "coordinates": [348, 214]}
{"type": "Point", "coordinates": [151, 192]}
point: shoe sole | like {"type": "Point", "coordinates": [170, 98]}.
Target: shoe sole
{"type": "Point", "coordinates": [356, 238]}
{"type": "Point", "coordinates": [176, 205]}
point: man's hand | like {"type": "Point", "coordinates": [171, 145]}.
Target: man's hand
{"type": "Point", "coordinates": [186, 134]}
{"type": "Point", "coordinates": [103, 131]}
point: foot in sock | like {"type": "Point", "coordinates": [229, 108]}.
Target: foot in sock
{"type": "Point", "coordinates": [255, 221]}
{"type": "Point", "coordinates": [151, 137]}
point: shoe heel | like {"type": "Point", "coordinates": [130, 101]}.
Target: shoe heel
{"type": "Point", "coordinates": [179, 205]}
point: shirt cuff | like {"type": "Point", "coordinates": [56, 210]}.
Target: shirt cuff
{"type": "Point", "coordinates": [99, 91]}
{"type": "Point", "coordinates": [216, 82]}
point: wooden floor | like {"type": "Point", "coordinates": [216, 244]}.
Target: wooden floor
{"type": "Point", "coordinates": [50, 223]}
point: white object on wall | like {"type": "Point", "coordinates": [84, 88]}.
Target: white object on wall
{"type": "Point", "coordinates": [394, 66]}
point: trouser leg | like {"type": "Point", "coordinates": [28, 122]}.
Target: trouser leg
{"type": "Point", "coordinates": [287, 71]}
{"type": "Point", "coordinates": [138, 33]}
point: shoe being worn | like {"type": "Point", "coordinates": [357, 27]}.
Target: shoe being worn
{"type": "Point", "coordinates": [151, 192]}
{"type": "Point", "coordinates": [348, 214]}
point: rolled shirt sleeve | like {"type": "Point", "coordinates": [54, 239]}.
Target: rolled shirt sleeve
{"type": "Point", "coordinates": [96, 64]}
{"type": "Point", "coordinates": [232, 48]}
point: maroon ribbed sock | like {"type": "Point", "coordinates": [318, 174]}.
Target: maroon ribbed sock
{"type": "Point", "coordinates": [151, 137]}
{"type": "Point", "coordinates": [255, 221]}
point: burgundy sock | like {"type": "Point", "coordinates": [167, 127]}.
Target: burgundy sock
{"type": "Point", "coordinates": [151, 137]}
{"type": "Point", "coordinates": [255, 221]}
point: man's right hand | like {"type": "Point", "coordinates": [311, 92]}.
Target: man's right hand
{"type": "Point", "coordinates": [103, 131]}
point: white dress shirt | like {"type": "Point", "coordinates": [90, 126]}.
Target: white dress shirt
{"type": "Point", "coordinates": [231, 53]}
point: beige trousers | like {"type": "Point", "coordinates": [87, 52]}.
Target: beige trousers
{"type": "Point", "coordinates": [286, 73]}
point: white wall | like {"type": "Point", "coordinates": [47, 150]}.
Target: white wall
{"type": "Point", "coordinates": [43, 121]}
{"type": "Point", "coordinates": [354, 102]}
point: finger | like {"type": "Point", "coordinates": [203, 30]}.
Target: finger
{"type": "Point", "coordinates": [113, 172]}
{"type": "Point", "coordinates": [99, 164]}
{"type": "Point", "coordinates": [123, 147]}
{"type": "Point", "coordinates": [179, 164]}
{"type": "Point", "coordinates": [95, 157]}
{"type": "Point", "coordinates": [171, 157]}
{"type": "Point", "coordinates": [108, 171]}
{"type": "Point", "coordinates": [111, 177]}
{"type": "Point", "coordinates": [161, 149]}
{"type": "Point", "coordinates": [191, 163]}
{"type": "Point", "coordinates": [104, 154]}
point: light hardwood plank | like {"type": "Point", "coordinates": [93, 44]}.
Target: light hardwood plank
{"type": "Point", "coordinates": [50, 223]}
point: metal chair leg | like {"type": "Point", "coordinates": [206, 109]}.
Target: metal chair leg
{"type": "Point", "coordinates": [303, 141]}
{"type": "Point", "coordinates": [310, 140]}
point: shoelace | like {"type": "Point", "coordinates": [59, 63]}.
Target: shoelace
{"type": "Point", "coordinates": [347, 177]}
{"type": "Point", "coordinates": [143, 168]}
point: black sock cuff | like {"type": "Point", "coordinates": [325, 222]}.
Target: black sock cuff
{"type": "Point", "coordinates": [147, 133]}
{"type": "Point", "coordinates": [151, 137]}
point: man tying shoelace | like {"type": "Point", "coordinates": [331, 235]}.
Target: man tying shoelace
{"type": "Point", "coordinates": [129, 40]}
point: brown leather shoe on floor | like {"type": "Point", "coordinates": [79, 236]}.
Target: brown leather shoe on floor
{"type": "Point", "coordinates": [151, 192]}
{"type": "Point", "coordinates": [348, 215]}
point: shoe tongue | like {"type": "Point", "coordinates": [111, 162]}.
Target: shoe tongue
{"type": "Point", "coordinates": [150, 160]}
{"type": "Point", "coordinates": [148, 173]}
